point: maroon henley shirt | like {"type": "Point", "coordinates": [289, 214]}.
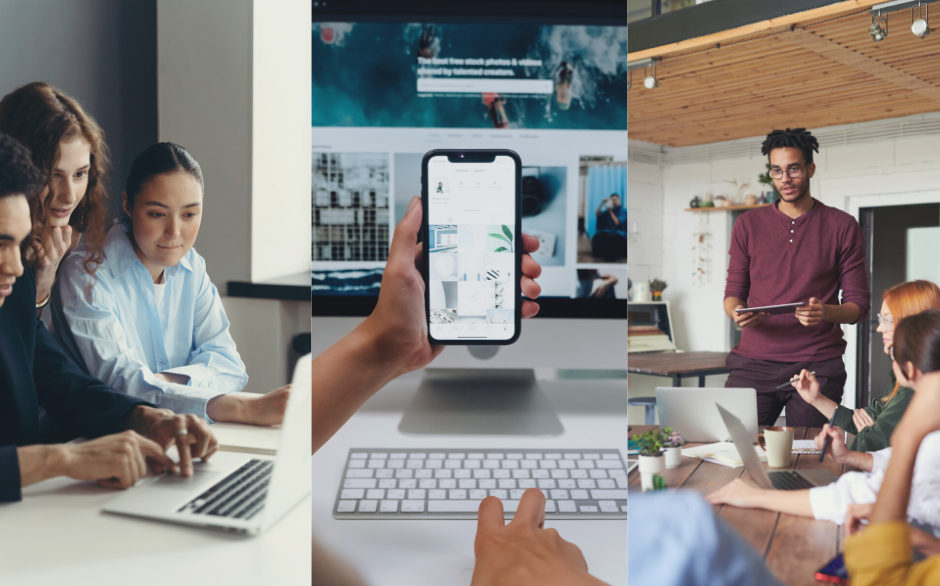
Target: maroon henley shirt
{"type": "Point", "coordinates": [776, 259]}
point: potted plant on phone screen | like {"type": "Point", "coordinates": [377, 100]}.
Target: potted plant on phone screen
{"type": "Point", "coordinates": [657, 286]}
{"type": "Point", "coordinates": [652, 461]}
{"type": "Point", "coordinates": [673, 448]}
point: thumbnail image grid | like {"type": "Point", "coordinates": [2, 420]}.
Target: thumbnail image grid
{"type": "Point", "coordinates": [471, 273]}
{"type": "Point", "coordinates": [350, 193]}
{"type": "Point", "coordinates": [602, 210]}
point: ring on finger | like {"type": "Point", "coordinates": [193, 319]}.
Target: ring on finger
{"type": "Point", "coordinates": [181, 432]}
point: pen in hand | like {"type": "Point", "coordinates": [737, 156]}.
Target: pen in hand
{"type": "Point", "coordinates": [792, 380]}
{"type": "Point", "coordinates": [825, 447]}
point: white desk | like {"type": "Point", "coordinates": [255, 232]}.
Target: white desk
{"type": "Point", "coordinates": [440, 553]}
{"type": "Point", "coordinates": [58, 535]}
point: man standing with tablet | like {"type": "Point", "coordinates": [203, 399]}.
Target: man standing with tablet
{"type": "Point", "coordinates": [797, 250]}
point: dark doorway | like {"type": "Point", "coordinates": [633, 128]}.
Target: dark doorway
{"type": "Point", "coordinates": [891, 259]}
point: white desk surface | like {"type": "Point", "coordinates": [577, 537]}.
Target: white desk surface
{"type": "Point", "coordinates": [440, 553]}
{"type": "Point", "coordinates": [58, 535]}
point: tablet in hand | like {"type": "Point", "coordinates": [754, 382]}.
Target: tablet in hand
{"type": "Point", "coordinates": [771, 309]}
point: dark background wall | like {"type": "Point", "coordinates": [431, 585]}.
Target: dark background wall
{"type": "Point", "coordinates": [102, 52]}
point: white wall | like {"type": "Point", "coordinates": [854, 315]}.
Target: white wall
{"type": "Point", "coordinates": [885, 172]}
{"type": "Point", "coordinates": [645, 204]}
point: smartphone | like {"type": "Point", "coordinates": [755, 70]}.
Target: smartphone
{"type": "Point", "coordinates": [834, 572]}
{"type": "Point", "coordinates": [472, 253]}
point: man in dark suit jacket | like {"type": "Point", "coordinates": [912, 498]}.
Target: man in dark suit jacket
{"type": "Point", "coordinates": [34, 373]}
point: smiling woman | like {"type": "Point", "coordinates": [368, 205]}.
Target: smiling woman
{"type": "Point", "coordinates": [152, 324]}
{"type": "Point", "coordinates": [68, 146]}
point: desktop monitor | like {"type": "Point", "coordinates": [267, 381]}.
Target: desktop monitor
{"type": "Point", "coordinates": [547, 80]}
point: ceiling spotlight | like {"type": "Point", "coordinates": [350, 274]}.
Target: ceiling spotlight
{"type": "Point", "coordinates": [877, 32]}
{"type": "Point", "coordinates": [649, 78]}
{"type": "Point", "coordinates": [919, 27]}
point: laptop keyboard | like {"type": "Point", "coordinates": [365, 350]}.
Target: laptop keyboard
{"type": "Point", "coordinates": [789, 480]}
{"type": "Point", "coordinates": [450, 484]}
{"type": "Point", "coordinates": [240, 495]}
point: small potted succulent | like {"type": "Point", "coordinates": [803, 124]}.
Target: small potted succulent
{"type": "Point", "coordinates": [652, 461]}
{"type": "Point", "coordinates": [657, 286]}
{"type": "Point", "coordinates": [673, 448]}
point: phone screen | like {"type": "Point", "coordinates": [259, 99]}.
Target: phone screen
{"type": "Point", "coordinates": [472, 249]}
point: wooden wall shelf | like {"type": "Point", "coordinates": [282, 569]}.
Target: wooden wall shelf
{"type": "Point", "coordinates": [726, 208]}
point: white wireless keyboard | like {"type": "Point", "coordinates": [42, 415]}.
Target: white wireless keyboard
{"type": "Point", "coordinates": [383, 483]}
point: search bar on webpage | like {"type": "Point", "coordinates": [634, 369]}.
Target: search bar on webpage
{"type": "Point", "coordinates": [484, 85]}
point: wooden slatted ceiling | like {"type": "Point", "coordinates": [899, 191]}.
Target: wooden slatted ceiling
{"type": "Point", "coordinates": [782, 78]}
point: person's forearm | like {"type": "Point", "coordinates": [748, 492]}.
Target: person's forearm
{"type": "Point", "coordinates": [39, 462]}
{"type": "Point", "coordinates": [861, 460]}
{"type": "Point", "coordinates": [791, 502]}
{"type": "Point", "coordinates": [895, 491]}
{"type": "Point", "coordinates": [346, 375]}
{"type": "Point", "coordinates": [142, 418]}
{"type": "Point", "coordinates": [825, 405]}
{"type": "Point", "coordinates": [847, 313]}
{"type": "Point", "coordinates": [613, 217]}
{"type": "Point", "coordinates": [730, 304]}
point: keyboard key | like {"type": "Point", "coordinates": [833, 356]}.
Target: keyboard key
{"type": "Point", "coordinates": [463, 506]}
{"type": "Point", "coordinates": [529, 464]}
{"type": "Point", "coordinates": [585, 464]}
{"type": "Point", "coordinates": [434, 464]}
{"type": "Point", "coordinates": [501, 474]}
{"type": "Point", "coordinates": [414, 506]}
{"type": "Point", "coordinates": [398, 456]}
{"type": "Point", "coordinates": [588, 509]}
{"type": "Point", "coordinates": [359, 483]}
{"type": "Point", "coordinates": [587, 483]}
{"type": "Point", "coordinates": [357, 463]}
{"type": "Point", "coordinates": [567, 464]}
{"type": "Point", "coordinates": [566, 483]}
{"type": "Point", "coordinates": [346, 507]}
{"type": "Point", "coordinates": [514, 456]}
{"type": "Point", "coordinates": [548, 464]}
{"type": "Point", "coordinates": [606, 483]}
{"type": "Point", "coordinates": [375, 494]}
{"type": "Point", "coordinates": [368, 506]}
{"type": "Point", "coordinates": [447, 483]}
{"type": "Point", "coordinates": [384, 473]}
{"type": "Point", "coordinates": [560, 494]}
{"type": "Point", "coordinates": [456, 456]}
{"type": "Point", "coordinates": [500, 494]}
{"type": "Point", "coordinates": [547, 483]}
{"type": "Point", "coordinates": [395, 464]}
{"type": "Point", "coordinates": [516, 494]}
{"type": "Point", "coordinates": [376, 463]}
{"type": "Point", "coordinates": [414, 464]}
{"type": "Point", "coordinates": [623, 508]}
{"type": "Point", "coordinates": [611, 457]}
{"type": "Point", "coordinates": [419, 456]}
{"type": "Point", "coordinates": [603, 504]}
{"type": "Point", "coordinates": [471, 464]}
{"type": "Point", "coordinates": [540, 473]}
{"type": "Point", "coordinates": [509, 464]}
{"type": "Point", "coordinates": [556, 474]}
{"type": "Point", "coordinates": [467, 483]}
{"type": "Point", "coordinates": [358, 456]}
{"type": "Point", "coordinates": [486, 483]}
{"type": "Point", "coordinates": [437, 494]}
{"type": "Point", "coordinates": [443, 473]}
{"type": "Point", "coordinates": [407, 483]}
{"type": "Point", "coordinates": [567, 507]}
{"type": "Point", "coordinates": [417, 493]}
{"type": "Point", "coordinates": [609, 464]}
{"type": "Point", "coordinates": [457, 494]}
{"type": "Point", "coordinates": [572, 456]}
{"type": "Point", "coordinates": [437, 456]}
{"type": "Point", "coordinates": [494, 456]}
{"type": "Point", "coordinates": [388, 483]}
{"type": "Point", "coordinates": [431, 483]}
{"type": "Point", "coordinates": [462, 473]}
{"type": "Point", "coordinates": [404, 473]}
{"type": "Point", "coordinates": [507, 483]}
{"type": "Point", "coordinates": [579, 473]}
{"type": "Point", "coordinates": [358, 473]}
{"type": "Point", "coordinates": [553, 456]}
{"type": "Point", "coordinates": [617, 473]}
{"type": "Point", "coordinates": [592, 456]}
{"type": "Point", "coordinates": [395, 494]}
{"type": "Point", "coordinates": [477, 494]}
{"type": "Point", "coordinates": [424, 473]}
{"type": "Point", "coordinates": [533, 456]}
{"type": "Point", "coordinates": [550, 506]}
{"type": "Point", "coordinates": [598, 473]}
{"type": "Point", "coordinates": [378, 456]}
{"type": "Point", "coordinates": [452, 464]}
{"type": "Point", "coordinates": [476, 456]}
{"type": "Point", "coordinates": [490, 464]}
{"type": "Point", "coordinates": [599, 495]}
{"type": "Point", "coordinates": [481, 473]}
{"type": "Point", "coordinates": [521, 474]}
{"type": "Point", "coordinates": [526, 483]}
{"type": "Point", "coordinates": [579, 495]}
{"type": "Point", "coordinates": [388, 507]}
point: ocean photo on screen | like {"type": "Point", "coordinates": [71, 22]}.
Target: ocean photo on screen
{"type": "Point", "coordinates": [362, 282]}
{"type": "Point", "coordinates": [440, 75]}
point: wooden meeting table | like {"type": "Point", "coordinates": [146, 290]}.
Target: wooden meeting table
{"type": "Point", "coordinates": [794, 548]}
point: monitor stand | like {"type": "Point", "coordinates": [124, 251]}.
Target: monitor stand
{"type": "Point", "coordinates": [480, 402]}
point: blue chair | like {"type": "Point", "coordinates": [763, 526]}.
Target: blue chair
{"type": "Point", "coordinates": [649, 403]}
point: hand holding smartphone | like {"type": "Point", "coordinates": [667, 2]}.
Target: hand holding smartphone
{"type": "Point", "coordinates": [472, 230]}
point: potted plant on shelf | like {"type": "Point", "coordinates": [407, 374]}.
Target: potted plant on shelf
{"type": "Point", "coordinates": [657, 286]}
{"type": "Point", "coordinates": [773, 195]}
{"type": "Point", "coordinates": [673, 448]}
{"type": "Point", "coordinates": [652, 461]}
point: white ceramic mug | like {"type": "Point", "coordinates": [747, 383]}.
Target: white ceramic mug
{"type": "Point", "coordinates": [641, 292]}
{"type": "Point", "coordinates": [778, 443]}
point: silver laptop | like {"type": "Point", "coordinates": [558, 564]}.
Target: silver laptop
{"type": "Point", "coordinates": [240, 493]}
{"type": "Point", "coordinates": [691, 411]}
{"type": "Point", "coordinates": [775, 479]}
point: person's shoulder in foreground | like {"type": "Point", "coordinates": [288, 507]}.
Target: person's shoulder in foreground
{"type": "Point", "coordinates": [692, 547]}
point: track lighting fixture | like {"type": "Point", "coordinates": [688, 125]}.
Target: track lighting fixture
{"type": "Point", "coordinates": [919, 27]}
{"type": "Point", "coordinates": [649, 78]}
{"type": "Point", "coordinates": [877, 32]}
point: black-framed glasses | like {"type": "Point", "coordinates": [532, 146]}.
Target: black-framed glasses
{"type": "Point", "coordinates": [793, 172]}
{"type": "Point", "coordinates": [885, 319]}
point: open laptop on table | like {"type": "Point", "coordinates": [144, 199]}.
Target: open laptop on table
{"type": "Point", "coordinates": [236, 492]}
{"type": "Point", "coordinates": [691, 411]}
{"type": "Point", "coordinates": [775, 479]}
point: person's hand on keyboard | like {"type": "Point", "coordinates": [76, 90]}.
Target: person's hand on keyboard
{"type": "Point", "coordinates": [522, 553]}
{"type": "Point", "coordinates": [190, 433]}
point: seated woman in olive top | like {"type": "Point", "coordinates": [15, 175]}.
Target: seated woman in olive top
{"type": "Point", "coordinates": [874, 424]}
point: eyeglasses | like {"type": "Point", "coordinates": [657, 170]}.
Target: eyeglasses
{"type": "Point", "coordinates": [793, 172]}
{"type": "Point", "coordinates": [885, 319]}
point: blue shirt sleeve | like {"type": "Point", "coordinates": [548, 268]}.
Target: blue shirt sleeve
{"type": "Point", "coordinates": [9, 475]}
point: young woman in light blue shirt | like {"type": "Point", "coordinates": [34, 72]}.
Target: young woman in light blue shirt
{"type": "Point", "coordinates": [150, 322]}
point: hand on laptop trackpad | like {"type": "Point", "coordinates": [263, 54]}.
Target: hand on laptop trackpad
{"type": "Point", "coordinates": [200, 474]}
